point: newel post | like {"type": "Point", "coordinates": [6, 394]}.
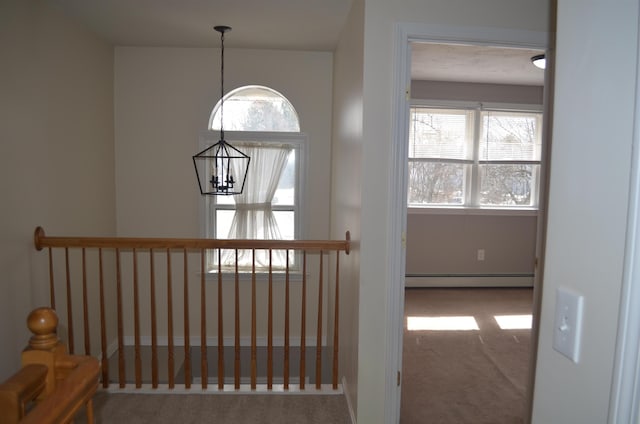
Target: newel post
{"type": "Point", "coordinates": [44, 346]}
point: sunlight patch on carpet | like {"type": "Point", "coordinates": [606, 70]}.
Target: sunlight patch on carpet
{"type": "Point", "coordinates": [461, 323]}
{"type": "Point", "coordinates": [514, 322]}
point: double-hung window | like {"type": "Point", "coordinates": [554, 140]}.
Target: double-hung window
{"type": "Point", "coordinates": [263, 124]}
{"type": "Point", "coordinates": [474, 157]}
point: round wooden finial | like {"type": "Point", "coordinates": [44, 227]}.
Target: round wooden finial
{"type": "Point", "coordinates": [348, 238]}
{"type": "Point", "coordinates": [37, 237]}
{"type": "Point", "coordinates": [43, 322]}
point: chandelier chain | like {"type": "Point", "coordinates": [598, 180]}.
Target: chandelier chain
{"type": "Point", "coordinates": [222, 86]}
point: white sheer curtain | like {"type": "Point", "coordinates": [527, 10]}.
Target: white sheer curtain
{"type": "Point", "coordinates": [253, 217]}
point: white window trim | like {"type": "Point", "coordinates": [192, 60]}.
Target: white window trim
{"type": "Point", "coordinates": [470, 207]}
{"type": "Point", "coordinates": [298, 139]}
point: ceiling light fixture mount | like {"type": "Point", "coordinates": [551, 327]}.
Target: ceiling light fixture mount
{"type": "Point", "coordinates": [217, 164]}
{"type": "Point", "coordinates": [539, 61]}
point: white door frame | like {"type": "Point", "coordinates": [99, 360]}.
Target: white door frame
{"type": "Point", "coordinates": [405, 33]}
{"type": "Point", "coordinates": [624, 402]}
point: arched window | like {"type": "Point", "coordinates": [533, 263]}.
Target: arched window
{"type": "Point", "coordinates": [263, 124]}
{"type": "Point", "coordinates": [255, 108]}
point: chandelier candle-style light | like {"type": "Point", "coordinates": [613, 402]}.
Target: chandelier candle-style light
{"type": "Point", "coordinates": [221, 168]}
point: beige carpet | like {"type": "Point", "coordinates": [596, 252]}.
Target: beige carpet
{"type": "Point", "coordinates": [211, 408]}
{"type": "Point", "coordinates": [449, 377]}
{"type": "Point", "coordinates": [458, 377]}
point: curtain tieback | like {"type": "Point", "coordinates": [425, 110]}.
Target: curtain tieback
{"type": "Point", "coordinates": [253, 206]}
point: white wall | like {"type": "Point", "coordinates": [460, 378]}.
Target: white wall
{"type": "Point", "coordinates": [346, 183]}
{"type": "Point", "coordinates": [163, 99]}
{"type": "Point", "coordinates": [375, 309]}
{"type": "Point", "coordinates": [593, 123]}
{"type": "Point", "coordinates": [56, 152]}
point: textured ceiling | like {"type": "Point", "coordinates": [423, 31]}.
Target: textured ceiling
{"type": "Point", "coordinates": [480, 64]}
{"type": "Point", "coordinates": [282, 24]}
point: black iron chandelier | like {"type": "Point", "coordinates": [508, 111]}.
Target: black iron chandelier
{"type": "Point", "coordinates": [221, 168]}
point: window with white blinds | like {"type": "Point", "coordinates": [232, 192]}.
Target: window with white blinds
{"type": "Point", "coordinates": [474, 157]}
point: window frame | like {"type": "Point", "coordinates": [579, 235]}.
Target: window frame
{"type": "Point", "coordinates": [299, 142]}
{"type": "Point", "coordinates": [471, 204]}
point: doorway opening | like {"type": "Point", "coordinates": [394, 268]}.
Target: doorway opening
{"type": "Point", "coordinates": [476, 265]}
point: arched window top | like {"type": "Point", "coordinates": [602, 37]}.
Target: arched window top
{"type": "Point", "coordinates": [255, 108]}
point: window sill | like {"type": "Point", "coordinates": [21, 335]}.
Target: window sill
{"type": "Point", "coordinates": [452, 210]}
{"type": "Point", "coordinates": [261, 276]}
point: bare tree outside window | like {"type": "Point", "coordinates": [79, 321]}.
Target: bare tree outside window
{"type": "Point", "coordinates": [445, 157]}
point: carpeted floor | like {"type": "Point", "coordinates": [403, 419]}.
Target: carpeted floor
{"type": "Point", "coordinates": [449, 377]}
{"type": "Point", "coordinates": [458, 377]}
{"type": "Point", "coordinates": [208, 408]}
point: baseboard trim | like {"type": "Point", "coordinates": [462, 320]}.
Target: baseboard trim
{"type": "Point", "coordinates": [228, 341]}
{"type": "Point", "coordinates": [461, 280]}
{"type": "Point", "coordinates": [345, 390]}
{"type": "Point", "coordinates": [229, 389]}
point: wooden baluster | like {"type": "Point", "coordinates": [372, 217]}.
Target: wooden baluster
{"type": "Point", "coordinates": [85, 304]}
{"type": "Point", "coordinates": [319, 331]}
{"type": "Point", "coordinates": [103, 326]}
{"type": "Point", "coordinates": [154, 324]}
{"type": "Point", "coordinates": [187, 347]}
{"type": "Point", "coordinates": [136, 322]}
{"type": "Point", "coordinates": [52, 288]}
{"type": "Point", "coordinates": [203, 323]}
{"type": "Point", "coordinates": [336, 324]}
{"type": "Point", "coordinates": [237, 326]}
{"type": "Point", "coordinates": [171, 358]}
{"type": "Point", "coordinates": [286, 323]}
{"type": "Point", "coordinates": [69, 303]}
{"type": "Point", "coordinates": [220, 325]}
{"type": "Point", "coordinates": [303, 322]}
{"type": "Point", "coordinates": [121, 367]}
{"type": "Point", "coordinates": [254, 358]}
{"type": "Point", "coordinates": [270, 327]}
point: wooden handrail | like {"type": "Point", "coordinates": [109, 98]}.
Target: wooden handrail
{"type": "Point", "coordinates": [132, 280]}
{"type": "Point", "coordinates": [56, 383]}
{"type": "Point", "coordinates": [41, 241]}
{"type": "Point", "coordinates": [20, 390]}
{"type": "Point", "coordinates": [70, 395]}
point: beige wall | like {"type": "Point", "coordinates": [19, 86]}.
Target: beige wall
{"type": "Point", "coordinates": [376, 282]}
{"type": "Point", "coordinates": [346, 184]}
{"type": "Point", "coordinates": [440, 244]}
{"type": "Point", "coordinates": [499, 93]}
{"type": "Point", "coordinates": [595, 100]}
{"type": "Point", "coordinates": [163, 100]}
{"type": "Point", "coordinates": [56, 152]}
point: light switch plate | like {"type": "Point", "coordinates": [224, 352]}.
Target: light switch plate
{"type": "Point", "coordinates": [568, 323]}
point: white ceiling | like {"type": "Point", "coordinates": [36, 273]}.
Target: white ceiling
{"type": "Point", "coordinates": [276, 24]}
{"type": "Point", "coordinates": [282, 24]}
{"type": "Point", "coordinates": [480, 64]}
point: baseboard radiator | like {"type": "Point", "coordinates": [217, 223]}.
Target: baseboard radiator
{"type": "Point", "coordinates": [469, 280]}
{"type": "Point", "coordinates": [169, 320]}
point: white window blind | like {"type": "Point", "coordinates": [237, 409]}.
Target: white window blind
{"type": "Point", "coordinates": [474, 158]}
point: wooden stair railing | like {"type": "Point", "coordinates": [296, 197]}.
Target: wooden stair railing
{"type": "Point", "coordinates": [135, 283]}
{"type": "Point", "coordinates": [52, 386]}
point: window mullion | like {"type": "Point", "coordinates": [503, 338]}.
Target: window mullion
{"type": "Point", "coordinates": [474, 192]}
